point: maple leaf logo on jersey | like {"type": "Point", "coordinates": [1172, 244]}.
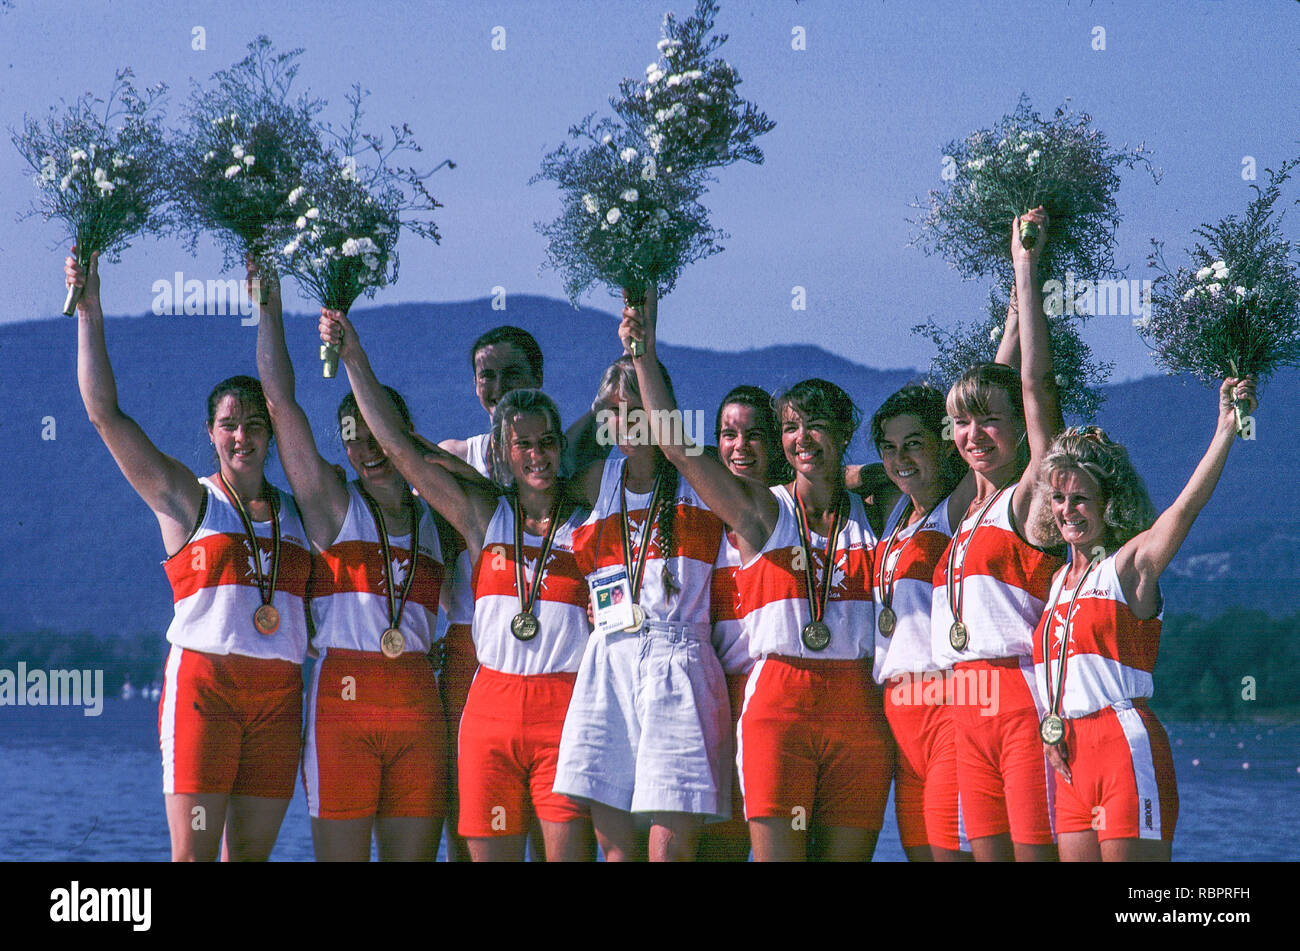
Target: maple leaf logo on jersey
{"type": "Point", "coordinates": [530, 568]}
{"type": "Point", "coordinates": [397, 571]}
{"type": "Point", "coordinates": [263, 557]}
{"type": "Point", "coordinates": [839, 575]}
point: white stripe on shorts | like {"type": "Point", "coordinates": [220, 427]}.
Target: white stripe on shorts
{"type": "Point", "coordinates": [1144, 771]}
{"type": "Point", "coordinates": [167, 722]}
{"type": "Point", "coordinates": [750, 686]}
{"type": "Point", "coordinates": [310, 764]}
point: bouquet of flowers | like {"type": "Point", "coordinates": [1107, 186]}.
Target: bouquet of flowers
{"type": "Point", "coordinates": [100, 173]}
{"type": "Point", "coordinates": [631, 187]}
{"type": "Point", "coordinates": [342, 220]}
{"type": "Point", "coordinates": [242, 153]}
{"type": "Point", "coordinates": [1236, 310]}
{"type": "Point", "coordinates": [1063, 163]}
{"type": "Point", "coordinates": [1079, 375]}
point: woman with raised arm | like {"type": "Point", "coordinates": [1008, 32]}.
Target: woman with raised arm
{"type": "Point", "coordinates": [230, 717]}
{"type": "Point", "coordinates": [646, 736]}
{"type": "Point", "coordinates": [1095, 647]}
{"type": "Point", "coordinates": [374, 745]}
{"type": "Point", "coordinates": [814, 752]}
{"type": "Point", "coordinates": [749, 445]}
{"type": "Point", "coordinates": [991, 585]}
{"type": "Point", "coordinates": [530, 611]}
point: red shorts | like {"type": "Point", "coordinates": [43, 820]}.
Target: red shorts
{"type": "Point", "coordinates": [1003, 776]}
{"type": "Point", "coordinates": [230, 724]}
{"type": "Point", "coordinates": [509, 743]}
{"type": "Point", "coordinates": [458, 666]}
{"type": "Point", "coordinates": [813, 743]}
{"type": "Point", "coordinates": [376, 740]}
{"type": "Point", "coordinates": [735, 827]}
{"type": "Point", "coordinates": [1122, 773]}
{"type": "Point", "coordinates": [918, 708]}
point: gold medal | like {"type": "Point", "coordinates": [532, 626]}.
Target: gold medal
{"type": "Point", "coordinates": [392, 643]}
{"type": "Point", "coordinates": [816, 636]}
{"type": "Point", "coordinates": [266, 619]}
{"type": "Point", "coordinates": [524, 626]}
{"type": "Point", "coordinates": [887, 621]}
{"type": "Point", "coordinates": [958, 636]}
{"type": "Point", "coordinates": [638, 620]}
{"type": "Point", "coordinates": [1052, 729]}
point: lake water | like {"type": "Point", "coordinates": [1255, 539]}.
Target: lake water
{"type": "Point", "coordinates": [77, 788]}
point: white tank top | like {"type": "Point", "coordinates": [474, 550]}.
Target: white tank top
{"type": "Point", "coordinates": [773, 587]}
{"type": "Point", "coordinates": [349, 587]}
{"type": "Point", "coordinates": [459, 602]}
{"type": "Point", "coordinates": [910, 563]}
{"type": "Point", "coordinates": [560, 608]}
{"type": "Point", "coordinates": [214, 583]}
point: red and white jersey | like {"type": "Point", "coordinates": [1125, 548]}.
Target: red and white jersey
{"type": "Point", "coordinates": [1005, 586]}
{"type": "Point", "coordinates": [1111, 654]}
{"type": "Point", "coordinates": [560, 608]}
{"type": "Point", "coordinates": [460, 597]}
{"type": "Point", "coordinates": [773, 587]}
{"type": "Point", "coordinates": [910, 564]}
{"type": "Point", "coordinates": [349, 587]}
{"type": "Point", "coordinates": [730, 640]}
{"type": "Point", "coordinates": [697, 533]}
{"type": "Point", "coordinates": [214, 582]}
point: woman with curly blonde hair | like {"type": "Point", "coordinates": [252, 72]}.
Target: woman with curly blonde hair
{"type": "Point", "coordinates": [1118, 798]}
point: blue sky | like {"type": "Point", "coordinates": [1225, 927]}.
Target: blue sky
{"type": "Point", "coordinates": [862, 114]}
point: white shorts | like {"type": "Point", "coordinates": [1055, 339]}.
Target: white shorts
{"type": "Point", "coordinates": [649, 725]}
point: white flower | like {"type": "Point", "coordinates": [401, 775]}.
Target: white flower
{"type": "Point", "coordinates": [118, 162]}
{"type": "Point", "coordinates": [675, 79]}
{"type": "Point", "coordinates": [77, 155]}
{"type": "Point", "coordinates": [301, 222]}
{"type": "Point", "coordinates": [349, 172]}
{"type": "Point", "coordinates": [1220, 271]}
{"type": "Point", "coordinates": [1060, 380]}
{"type": "Point", "coordinates": [655, 140]}
{"type": "Point", "coordinates": [649, 94]}
{"type": "Point", "coordinates": [317, 262]}
{"type": "Point", "coordinates": [371, 261]}
{"type": "Point", "coordinates": [1189, 294]}
{"type": "Point", "coordinates": [1022, 147]}
{"type": "Point", "coordinates": [628, 154]}
{"type": "Point", "coordinates": [1141, 323]}
{"type": "Point", "coordinates": [607, 139]}
{"type": "Point", "coordinates": [237, 151]}
{"type": "Point", "coordinates": [312, 213]}
{"type": "Point", "coordinates": [995, 334]}
{"type": "Point", "coordinates": [1215, 289]}
{"type": "Point", "coordinates": [233, 171]}
{"type": "Point", "coordinates": [630, 195]}
{"type": "Point", "coordinates": [210, 156]}
{"type": "Point", "coordinates": [100, 175]}
{"type": "Point", "coordinates": [613, 215]}
{"type": "Point", "coordinates": [648, 170]}
{"type": "Point", "coordinates": [106, 186]}
{"type": "Point", "coordinates": [295, 195]}
{"type": "Point", "coordinates": [249, 159]}
{"type": "Point", "coordinates": [234, 117]}
{"type": "Point", "coordinates": [1204, 273]}
{"type": "Point", "coordinates": [589, 202]}
{"type": "Point", "coordinates": [975, 164]}
{"type": "Point", "coordinates": [1239, 291]}
{"type": "Point", "coordinates": [704, 97]}
{"type": "Point", "coordinates": [692, 75]}
{"type": "Point", "coordinates": [66, 182]}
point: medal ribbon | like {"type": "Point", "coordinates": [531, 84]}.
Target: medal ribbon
{"type": "Point", "coordinates": [1057, 697]}
{"type": "Point", "coordinates": [887, 573]}
{"type": "Point", "coordinates": [817, 602]}
{"type": "Point", "coordinates": [395, 607]}
{"type": "Point", "coordinates": [955, 600]}
{"type": "Point", "coordinates": [634, 577]}
{"type": "Point", "coordinates": [528, 595]}
{"type": "Point", "coordinates": [262, 592]}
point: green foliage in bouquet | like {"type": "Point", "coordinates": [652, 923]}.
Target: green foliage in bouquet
{"type": "Point", "coordinates": [100, 166]}
{"type": "Point", "coordinates": [242, 152]}
{"type": "Point", "coordinates": [1063, 163]}
{"type": "Point", "coordinates": [1236, 309]}
{"type": "Point", "coordinates": [1079, 374]}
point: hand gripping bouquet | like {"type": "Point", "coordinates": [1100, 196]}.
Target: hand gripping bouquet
{"type": "Point", "coordinates": [632, 186]}
{"type": "Point", "coordinates": [242, 153]}
{"type": "Point", "coordinates": [342, 219]}
{"type": "Point", "coordinates": [100, 166]}
{"type": "Point", "coordinates": [1235, 310]}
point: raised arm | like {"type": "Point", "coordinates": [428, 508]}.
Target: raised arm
{"type": "Point", "coordinates": [469, 513]}
{"type": "Point", "coordinates": [321, 497]}
{"type": "Point", "coordinates": [167, 486]}
{"type": "Point", "coordinates": [1143, 559]}
{"type": "Point", "coordinates": [750, 510]}
{"type": "Point", "coordinates": [1037, 379]}
{"type": "Point", "coordinates": [1009, 346]}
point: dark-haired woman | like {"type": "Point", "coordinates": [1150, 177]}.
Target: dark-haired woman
{"type": "Point", "coordinates": [374, 752]}
{"type": "Point", "coordinates": [646, 735]}
{"type": "Point", "coordinates": [530, 624]}
{"type": "Point", "coordinates": [1095, 647]}
{"type": "Point", "coordinates": [230, 716]}
{"type": "Point", "coordinates": [749, 444]}
{"type": "Point", "coordinates": [813, 749]}
{"type": "Point", "coordinates": [908, 434]}
{"type": "Point", "coordinates": [991, 586]}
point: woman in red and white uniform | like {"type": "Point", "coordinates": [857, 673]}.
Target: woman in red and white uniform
{"type": "Point", "coordinates": [374, 753]}
{"type": "Point", "coordinates": [749, 444]}
{"type": "Point", "coordinates": [814, 752]}
{"type": "Point", "coordinates": [991, 586]}
{"type": "Point", "coordinates": [530, 616]}
{"type": "Point", "coordinates": [908, 434]}
{"type": "Point", "coordinates": [230, 717]}
{"type": "Point", "coordinates": [1095, 647]}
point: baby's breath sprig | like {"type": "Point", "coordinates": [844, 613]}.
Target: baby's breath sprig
{"type": "Point", "coordinates": [101, 167]}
